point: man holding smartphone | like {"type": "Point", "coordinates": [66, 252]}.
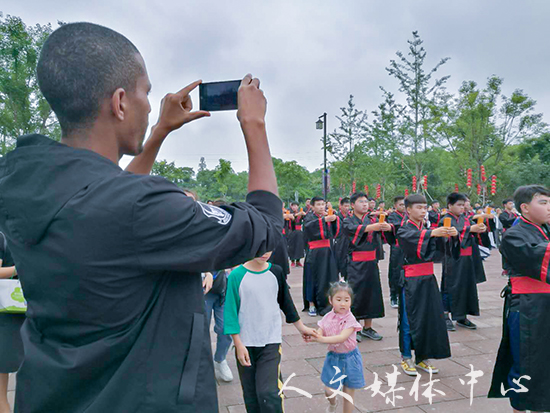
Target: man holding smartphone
{"type": "Point", "coordinates": [111, 260]}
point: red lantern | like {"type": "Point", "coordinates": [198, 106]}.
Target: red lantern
{"type": "Point", "coordinates": [406, 192]}
{"type": "Point", "coordinates": [414, 184]}
{"type": "Point", "coordinates": [483, 176]}
{"type": "Point", "coordinates": [456, 187]}
{"type": "Point", "coordinates": [425, 182]}
{"type": "Point", "coordinates": [378, 191]}
{"type": "Point", "coordinates": [494, 185]}
{"type": "Point", "coordinates": [353, 187]}
{"type": "Point", "coordinates": [479, 189]}
{"type": "Point", "coordinates": [469, 179]}
{"type": "Point", "coordinates": [366, 189]}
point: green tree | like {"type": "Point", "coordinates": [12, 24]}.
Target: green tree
{"type": "Point", "coordinates": [23, 109]}
{"type": "Point", "coordinates": [291, 178]}
{"type": "Point", "coordinates": [418, 88]}
{"type": "Point", "coordinates": [182, 177]}
{"type": "Point", "coordinates": [344, 142]}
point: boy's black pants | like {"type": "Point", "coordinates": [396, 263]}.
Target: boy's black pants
{"type": "Point", "coordinates": [262, 381]}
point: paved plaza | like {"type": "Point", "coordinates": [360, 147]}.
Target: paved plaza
{"type": "Point", "coordinates": [469, 347]}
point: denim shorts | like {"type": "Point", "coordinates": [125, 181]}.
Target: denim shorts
{"type": "Point", "coordinates": [350, 365]}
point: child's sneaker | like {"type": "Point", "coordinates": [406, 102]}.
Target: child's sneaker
{"type": "Point", "coordinates": [312, 312]}
{"type": "Point", "coordinates": [332, 407]}
{"type": "Point", "coordinates": [426, 366]}
{"type": "Point", "coordinates": [408, 367]}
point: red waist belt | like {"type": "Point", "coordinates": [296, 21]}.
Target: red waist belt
{"type": "Point", "coordinates": [322, 243]}
{"type": "Point", "coordinates": [298, 227]}
{"type": "Point", "coordinates": [363, 256]}
{"type": "Point", "coordinates": [526, 285]}
{"type": "Point", "coordinates": [466, 252]}
{"type": "Point", "coordinates": [418, 270]}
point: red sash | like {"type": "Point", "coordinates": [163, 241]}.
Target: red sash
{"type": "Point", "coordinates": [322, 243]}
{"type": "Point", "coordinates": [362, 256]}
{"type": "Point", "coordinates": [418, 270]}
{"type": "Point", "coordinates": [298, 227]}
{"type": "Point", "coordinates": [466, 252]}
{"type": "Point", "coordinates": [526, 285]}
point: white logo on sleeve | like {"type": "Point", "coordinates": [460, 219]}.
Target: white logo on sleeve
{"type": "Point", "coordinates": [221, 215]}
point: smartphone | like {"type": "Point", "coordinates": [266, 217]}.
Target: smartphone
{"type": "Point", "coordinates": [216, 96]}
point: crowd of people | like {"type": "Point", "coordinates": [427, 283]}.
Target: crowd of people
{"type": "Point", "coordinates": [122, 271]}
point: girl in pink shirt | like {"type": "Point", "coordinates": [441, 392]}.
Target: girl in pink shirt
{"type": "Point", "coordinates": [338, 329]}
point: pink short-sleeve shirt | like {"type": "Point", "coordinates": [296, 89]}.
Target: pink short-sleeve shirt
{"type": "Point", "coordinates": [333, 324]}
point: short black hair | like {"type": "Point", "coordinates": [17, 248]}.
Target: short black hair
{"type": "Point", "coordinates": [507, 200]}
{"type": "Point", "coordinates": [397, 199]}
{"type": "Point", "coordinates": [345, 200]}
{"type": "Point", "coordinates": [525, 194]}
{"type": "Point", "coordinates": [435, 201]}
{"type": "Point", "coordinates": [316, 199]}
{"type": "Point", "coordinates": [80, 65]}
{"type": "Point", "coordinates": [415, 199]}
{"type": "Point", "coordinates": [454, 197]}
{"type": "Point", "coordinates": [295, 203]}
{"type": "Point", "coordinates": [371, 199]}
{"type": "Point", "coordinates": [381, 202]}
{"type": "Point", "coordinates": [358, 195]}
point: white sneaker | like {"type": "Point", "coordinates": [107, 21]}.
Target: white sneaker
{"type": "Point", "coordinates": [332, 407]}
{"type": "Point", "coordinates": [222, 371]}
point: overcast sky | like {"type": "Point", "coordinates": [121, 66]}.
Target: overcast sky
{"type": "Point", "coordinates": [310, 56]}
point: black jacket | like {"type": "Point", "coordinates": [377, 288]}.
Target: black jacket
{"type": "Point", "coordinates": [110, 264]}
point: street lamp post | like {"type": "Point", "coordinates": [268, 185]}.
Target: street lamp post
{"type": "Point", "coordinates": [322, 124]}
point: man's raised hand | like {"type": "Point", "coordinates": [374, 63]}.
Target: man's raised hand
{"type": "Point", "coordinates": [252, 102]}
{"type": "Point", "coordinates": [175, 109]}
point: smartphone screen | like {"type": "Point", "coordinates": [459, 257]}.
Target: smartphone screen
{"type": "Point", "coordinates": [216, 96]}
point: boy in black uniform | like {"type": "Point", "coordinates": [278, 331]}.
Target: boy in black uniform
{"type": "Point", "coordinates": [525, 334]}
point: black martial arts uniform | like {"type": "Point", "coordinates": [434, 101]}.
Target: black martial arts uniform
{"type": "Point", "coordinates": [423, 300]}
{"type": "Point", "coordinates": [341, 246]}
{"type": "Point", "coordinates": [507, 219]}
{"type": "Point", "coordinates": [462, 271]}
{"type": "Point", "coordinates": [320, 267]}
{"type": "Point", "coordinates": [363, 272]}
{"type": "Point", "coordinates": [280, 255]}
{"type": "Point", "coordinates": [396, 256]}
{"type": "Point", "coordinates": [434, 217]}
{"type": "Point", "coordinates": [296, 239]}
{"type": "Point", "coordinates": [110, 263]}
{"type": "Point", "coordinates": [525, 334]}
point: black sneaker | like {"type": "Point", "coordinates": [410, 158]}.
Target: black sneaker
{"type": "Point", "coordinates": [358, 337]}
{"type": "Point", "coordinates": [466, 324]}
{"type": "Point", "coordinates": [371, 333]}
{"type": "Point", "coordinates": [394, 303]}
{"type": "Point", "coordinates": [450, 325]}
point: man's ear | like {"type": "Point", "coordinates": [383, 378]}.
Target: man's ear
{"type": "Point", "coordinates": [119, 104]}
{"type": "Point", "coordinates": [524, 209]}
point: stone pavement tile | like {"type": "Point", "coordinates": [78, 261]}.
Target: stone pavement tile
{"type": "Point", "coordinates": [463, 334]}
{"type": "Point", "coordinates": [230, 394]}
{"type": "Point", "coordinates": [316, 404]}
{"type": "Point", "coordinates": [483, 362]}
{"type": "Point", "coordinates": [296, 341]}
{"type": "Point", "coordinates": [492, 332]}
{"type": "Point", "coordinates": [482, 346]}
{"type": "Point", "coordinates": [462, 349]}
{"type": "Point", "coordinates": [302, 352]}
{"type": "Point", "coordinates": [311, 384]}
{"type": "Point", "coordinates": [236, 409]}
{"type": "Point", "coordinates": [447, 368]}
{"type": "Point", "coordinates": [368, 345]}
{"type": "Point", "coordinates": [481, 388]}
{"type": "Point", "coordinates": [405, 410]}
{"type": "Point", "coordinates": [381, 358]}
{"type": "Point", "coordinates": [317, 363]}
{"type": "Point", "coordinates": [289, 330]}
{"type": "Point", "coordinates": [479, 404]}
{"type": "Point", "coordinates": [299, 367]}
{"type": "Point", "coordinates": [365, 401]}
